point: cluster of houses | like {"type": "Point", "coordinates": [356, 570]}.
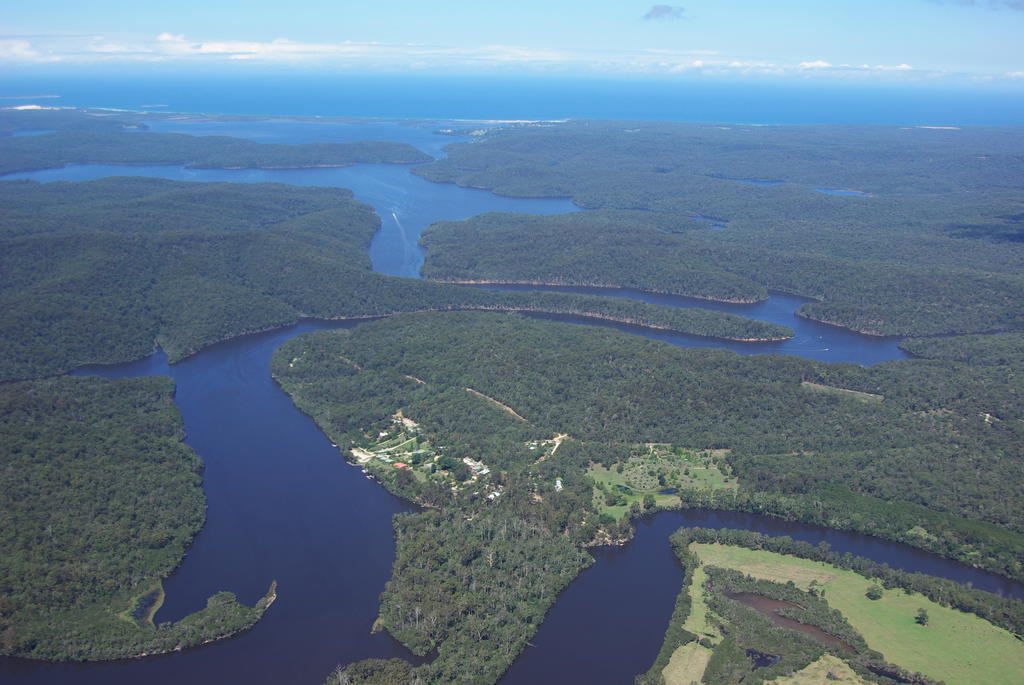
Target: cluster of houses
{"type": "Point", "coordinates": [477, 467]}
{"type": "Point", "coordinates": [401, 449]}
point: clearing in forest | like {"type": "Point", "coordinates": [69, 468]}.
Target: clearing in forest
{"type": "Point", "coordinates": [687, 665]}
{"type": "Point", "coordinates": [659, 471]}
{"type": "Point", "coordinates": [827, 669]}
{"type": "Point", "coordinates": [956, 647]}
{"type": "Point", "coordinates": [842, 392]}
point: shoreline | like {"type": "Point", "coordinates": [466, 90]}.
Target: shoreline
{"type": "Point", "coordinates": [191, 352]}
{"type": "Point", "coordinates": [300, 167]}
{"type": "Point", "coordinates": [835, 324]}
{"type": "Point", "coordinates": [483, 308]}
{"type": "Point", "coordinates": [708, 298]}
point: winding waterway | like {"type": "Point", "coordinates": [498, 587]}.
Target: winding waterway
{"type": "Point", "coordinates": [282, 504]}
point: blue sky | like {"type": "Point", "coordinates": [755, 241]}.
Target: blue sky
{"type": "Point", "coordinates": [904, 41]}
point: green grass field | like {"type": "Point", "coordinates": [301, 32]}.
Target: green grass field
{"type": "Point", "coordinates": [842, 392]}
{"type": "Point", "coordinates": [656, 468]}
{"type": "Point", "coordinates": [827, 669]}
{"type": "Point", "coordinates": [687, 665]}
{"type": "Point", "coordinates": [697, 622]}
{"type": "Point", "coordinates": [956, 647]}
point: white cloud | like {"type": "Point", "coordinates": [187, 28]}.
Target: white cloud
{"type": "Point", "coordinates": [22, 50]}
{"type": "Point", "coordinates": [170, 47]}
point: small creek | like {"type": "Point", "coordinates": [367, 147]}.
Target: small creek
{"type": "Point", "coordinates": [770, 608]}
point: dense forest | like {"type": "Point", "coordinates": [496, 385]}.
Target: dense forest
{"type": "Point", "coordinates": [609, 387]}
{"type": "Point", "coordinates": [29, 121]}
{"type": "Point", "coordinates": [925, 240]}
{"type": "Point", "coordinates": [60, 148]}
{"type": "Point", "coordinates": [99, 500]}
{"type": "Point", "coordinates": [1001, 350]}
{"type": "Point", "coordinates": [604, 248]}
{"type": "Point", "coordinates": [920, 465]}
{"type": "Point", "coordinates": [133, 262]}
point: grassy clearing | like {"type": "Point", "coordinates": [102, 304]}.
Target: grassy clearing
{"type": "Point", "coordinates": [842, 392]}
{"type": "Point", "coordinates": [827, 669]}
{"type": "Point", "coordinates": [768, 565]}
{"type": "Point", "coordinates": [653, 469]}
{"type": "Point", "coordinates": [687, 665]}
{"type": "Point", "coordinates": [955, 646]}
{"type": "Point", "coordinates": [697, 622]}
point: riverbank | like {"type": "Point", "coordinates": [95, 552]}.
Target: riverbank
{"type": "Point", "coordinates": [884, 625]}
{"type": "Point", "coordinates": [565, 311]}
{"type": "Point", "coordinates": [838, 324]}
{"type": "Point", "coordinates": [581, 284]}
{"type": "Point", "coordinates": [957, 647]}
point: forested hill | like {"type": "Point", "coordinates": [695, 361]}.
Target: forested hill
{"type": "Point", "coordinates": [60, 119]}
{"type": "Point", "coordinates": [605, 386]}
{"type": "Point", "coordinates": [903, 231]}
{"type": "Point", "coordinates": [58, 149]}
{"type": "Point", "coordinates": [1006, 349]}
{"type": "Point", "coordinates": [99, 272]}
{"type": "Point", "coordinates": [578, 425]}
{"type": "Point", "coordinates": [99, 500]}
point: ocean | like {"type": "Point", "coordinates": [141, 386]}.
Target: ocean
{"type": "Point", "coordinates": [517, 97]}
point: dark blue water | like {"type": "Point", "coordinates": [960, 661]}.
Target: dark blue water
{"type": "Point", "coordinates": [421, 96]}
{"type": "Point", "coordinates": [283, 505]}
{"type": "Point", "coordinates": [608, 625]}
{"type": "Point", "coordinates": [405, 203]}
{"type": "Point", "coordinates": [810, 339]}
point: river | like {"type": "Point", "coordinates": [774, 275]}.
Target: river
{"type": "Point", "coordinates": [282, 503]}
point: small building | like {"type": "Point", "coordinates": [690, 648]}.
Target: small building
{"type": "Point", "coordinates": [401, 465]}
{"type": "Point", "coordinates": [558, 485]}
